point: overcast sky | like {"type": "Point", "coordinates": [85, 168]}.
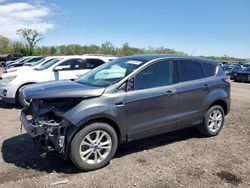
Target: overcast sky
{"type": "Point", "coordinates": [207, 27]}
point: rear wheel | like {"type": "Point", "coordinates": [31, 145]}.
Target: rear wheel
{"type": "Point", "coordinates": [94, 146]}
{"type": "Point", "coordinates": [213, 121]}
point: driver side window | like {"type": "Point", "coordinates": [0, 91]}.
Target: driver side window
{"type": "Point", "coordinates": [156, 75]}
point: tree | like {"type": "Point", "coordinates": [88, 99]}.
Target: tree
{"type": "Point", "coordinates": [5, 46]}
{"type": "Point", "coordinates": [31, 37]}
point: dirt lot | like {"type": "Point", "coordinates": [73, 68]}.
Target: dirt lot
{"type": "Point", "coordinates": [179, 159]}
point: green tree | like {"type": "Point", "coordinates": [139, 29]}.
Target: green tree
{"type": "Point", "coordinates": [5, 46]}
{"type": "Point", "coordinates": [31, 37]}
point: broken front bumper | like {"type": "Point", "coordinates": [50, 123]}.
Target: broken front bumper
{"type": "Point", "coordinates": [49, 134]}
{"type": "Point", "coordinates": [31, 129]}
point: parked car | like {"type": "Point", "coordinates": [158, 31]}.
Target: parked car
{"type": "Point", "coordinates": [234, 71]}
{"type": "Point", "coordinates": [62, 68]}
{"type": "Point", "coordinates": [123, 100]}
{"type": "Point", "coordinates": [10, 57]}
{"type": "Point", "coordinates": [228, 68]}
{"type": "Point", "coordinates": [7, 63]}
{"type": "Point", "coordinates": [33, 64]}
{"type": "Point", "coordinates": [21, 63]}
{"type": "Point", "coordinates": [243, 75]}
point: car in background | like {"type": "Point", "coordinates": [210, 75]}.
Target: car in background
{"type": "Point", "coordinates": [124, 100]}
{"type": "Point", "coordinates": [60, 68]}
{"type": "Point", "coordinates": [243, 75]}
{"type": "Point", "coordinates": [32, 65]}
{"type": "Point", "coordinates": [234, 71]}
{"type": "Point", "coordinates": [10, 57]}
{"type": "Point", "coordinates": [21, 63]}
{"type": "Point", "coordinates": [228, 68]}
{"type": "Point", "coordinates": [7, 63]}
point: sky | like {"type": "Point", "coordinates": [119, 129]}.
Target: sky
{"type": "Point", "coordinates": [201, 27]}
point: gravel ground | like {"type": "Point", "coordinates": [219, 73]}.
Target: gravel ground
{"type": "Point", "coordinates": [179, 159]}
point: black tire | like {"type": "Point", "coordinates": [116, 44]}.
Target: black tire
{"type": "Point", "coordinates": [2, 64]}
{"type": "Point", "coordinates": [20, 100]}
{"type": "Point", "coordinates": [204, 128]}
{"type": "Point", "coordinates": [74, 153]}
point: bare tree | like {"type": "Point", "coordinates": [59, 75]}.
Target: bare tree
{"type": "Point", "coordinates": [31, 37]}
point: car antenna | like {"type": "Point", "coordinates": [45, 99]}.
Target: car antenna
{"type": "Point", "coordinates": [192, 52]}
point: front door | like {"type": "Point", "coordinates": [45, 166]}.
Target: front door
{"type": "Point", "coordinates": [151, 104]}
{"type": "Point", "coordinates": [69, 70]}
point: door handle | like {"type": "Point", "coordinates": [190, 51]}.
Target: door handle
{"type": "Point", "coordinates": [169, 92]}
{"type": "Point", "coordinates": [205, 86]}
{"type": "Point", "coordinates": [119, 103]}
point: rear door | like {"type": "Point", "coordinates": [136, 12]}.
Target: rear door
{"type": "Point", "coordinates": [191, 91]}
{"type": "Point", "coordinates": [151, 103]}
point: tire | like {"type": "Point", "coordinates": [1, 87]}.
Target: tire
{"type": "Point", "coordinates": [207, 128]}
{"type": "Point", "coordinates": [2, 64]}
{"type": "Point", "coordinates": [20, 100]}
{"type": "Point", "coordinates": [91, 130]}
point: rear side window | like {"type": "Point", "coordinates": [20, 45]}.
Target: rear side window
{"type": "Point", "coordinates": [156, 75]}
{"type": "Point", "coordinates": [210, 68]}
{"type": "Point", "coordinates": [190, 70]}
{"type": "Point", "coordinates": [93, 63]}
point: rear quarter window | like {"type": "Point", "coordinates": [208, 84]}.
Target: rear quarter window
{"type": "Point", "coordinates": [210, 68]}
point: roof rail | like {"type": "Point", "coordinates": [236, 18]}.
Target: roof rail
{"type": "Point", "coordinates": [99, 55]}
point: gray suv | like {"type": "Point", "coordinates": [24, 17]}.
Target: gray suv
{"type": "Point", "coordinates": [126, 99]}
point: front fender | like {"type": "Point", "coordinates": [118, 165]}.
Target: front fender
{"type": "Point", "coordinates": [95, 108]}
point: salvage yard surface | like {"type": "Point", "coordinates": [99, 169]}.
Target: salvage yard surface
{"type": "Point", "coordinates": [179, 159]}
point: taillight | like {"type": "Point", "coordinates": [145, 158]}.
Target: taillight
{"type": "Point", "coordinates": [227, 80]}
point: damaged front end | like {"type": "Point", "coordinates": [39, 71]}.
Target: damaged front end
{"type": "Point", "coordinates": [43, 120]}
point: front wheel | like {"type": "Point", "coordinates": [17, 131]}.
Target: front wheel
{"type": "Point", "coordinates": [23, 102]}
{"type": "Point", "coordinates": [213, 121]}
{"type": "Point", "coordinates": [94, 146]}
{"type": "Point", "coordinates": [2, 64]}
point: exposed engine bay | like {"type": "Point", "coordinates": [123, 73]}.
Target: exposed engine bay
{"type": "Point", "coordinates": [43, 119]}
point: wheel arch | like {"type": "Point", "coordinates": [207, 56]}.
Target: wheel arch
{"type": "Point", "coordinates": [25, 84]}
{"type": "Point", "coordinates": [221, 103]}
{"type": "Point", "coordinates": [73, 130]}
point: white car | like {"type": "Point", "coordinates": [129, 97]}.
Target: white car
{"type": "Point", "coordinates": [18, 60]}
{"type": "Point", "coordinates": [32, 65]}
{"type": "Point", "coordinates": [60, 68]}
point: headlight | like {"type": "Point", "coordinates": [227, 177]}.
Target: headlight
{"type": "Point", "coordinates": [8, 79]}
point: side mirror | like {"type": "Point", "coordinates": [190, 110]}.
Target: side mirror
{"type": "Point", "coordinates": [58, 68]}
{"type": "Point", "coordinates": [131, 84]}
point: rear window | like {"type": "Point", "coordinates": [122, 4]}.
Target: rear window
{"type": "Point", "coordinates": [210, 68]}
{"type": "Point", "coordinates": [190, 70]}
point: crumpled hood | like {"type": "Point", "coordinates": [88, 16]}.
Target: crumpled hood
{"type": "Point", "coordinates": [61, 89]}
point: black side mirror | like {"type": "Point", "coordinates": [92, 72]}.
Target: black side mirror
{"type": "Point", "coordinates": [131, 84]}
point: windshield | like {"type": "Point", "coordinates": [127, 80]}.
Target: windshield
{"type": "Point", "coordinates": [227, 68]}
{"type": "Point", "coordinates": [43, 61]}
{"type": "Point", "coordinates": [110, 73]}
{"type": "Point", "coordinates": [23, 60]}
{"type": "Point", "coordinates": [33, 63]}
{"type": "Point", "coordinates": [49, 64]}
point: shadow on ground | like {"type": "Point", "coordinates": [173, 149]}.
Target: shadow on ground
{"type": "Point", "coordinates": [8, 106]}
{"type": "Point", "coordinates": [23, 153]}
